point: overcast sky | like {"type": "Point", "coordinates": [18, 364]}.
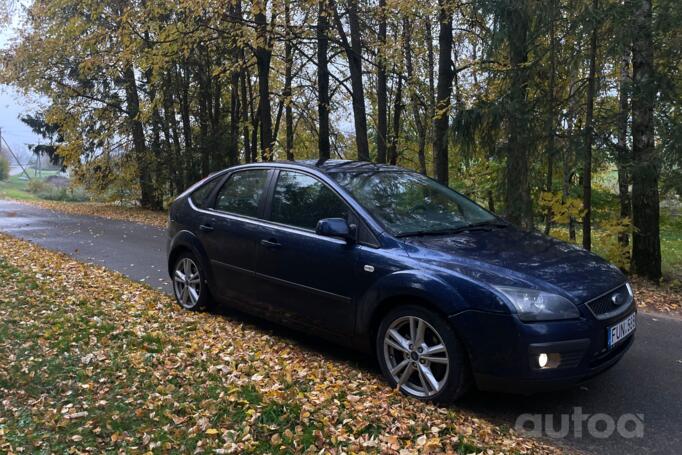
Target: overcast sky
{"type": "Point", "coordinates": [12, 105]}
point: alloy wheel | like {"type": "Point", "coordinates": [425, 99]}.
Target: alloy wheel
{"type": "Point", "coordinates": [416, 356]}
{"type": "Point", "coordinates": [187, 283]}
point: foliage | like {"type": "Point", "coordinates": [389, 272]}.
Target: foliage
{"type": "Point", "coordinates": [109, 179]}
{"type": "Point", "coordinates": [63, 194]}
{"type": "Point", "coordinates": [95, 362]}
{"type": "Point", "coordinates": [44, 190]}
{"type": "Point", "coordinates": [4, 168]}
{"type": "Point", "coordinates": [49, 131]}
{"type": "Point", "coordinates": [562, 208]}
{"type": "Point", "coordinates": [608, 240]}
{"type": "Point", "coordinates": [36, 186]}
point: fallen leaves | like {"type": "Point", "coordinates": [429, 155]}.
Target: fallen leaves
{"type": "Point", "coordinates": [104, 210]}
{"type": "Point", "coordinates": [661, 299]}
{"type": "Point", "coordinates": [96, 362]}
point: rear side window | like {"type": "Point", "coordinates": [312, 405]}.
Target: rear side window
{"type": "Point", "coordinates": [301, 200]}
{"type": "Point", "coordinates": [242, 192]}
{"type": "Point", "coordinates": [200, 195]}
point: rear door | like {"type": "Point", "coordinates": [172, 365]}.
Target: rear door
{"type": "Point", "coordinates": [306, 277]}
{"type": "Point", "coordinates": [231, 231]}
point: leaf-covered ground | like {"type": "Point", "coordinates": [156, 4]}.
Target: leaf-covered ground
{"type": "Point", "coordinates": [104, 210]}
{"type": "Point", "coordinates": [94, 362]}
{"type": "Point", "coordinates": [662, 299]}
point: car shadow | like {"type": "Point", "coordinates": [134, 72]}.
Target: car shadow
{"type": "Point", "coordinates": [310, 343]}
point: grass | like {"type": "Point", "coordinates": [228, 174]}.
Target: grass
{"type": "Point", "coordinates": [16, 188]}
{"type": "Point", "coordinates": [671, 245]}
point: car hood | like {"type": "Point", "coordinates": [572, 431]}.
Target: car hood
{"type": "Point", "coordinates": [511, 256]}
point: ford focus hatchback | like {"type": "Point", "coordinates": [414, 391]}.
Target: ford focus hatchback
{"type": "Point", "coordinates": [446, 294]}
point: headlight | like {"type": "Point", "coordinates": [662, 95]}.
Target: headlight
{"type": "Point", "coordinates": [533, 305]}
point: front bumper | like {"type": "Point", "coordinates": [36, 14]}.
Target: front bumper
{"type": "Point", "coordinates": [503, 350]}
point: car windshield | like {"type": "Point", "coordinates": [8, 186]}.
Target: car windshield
{"type": "Point", "coordinates": [407, 203]}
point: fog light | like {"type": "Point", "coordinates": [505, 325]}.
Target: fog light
{"type": "Point", "coordinates": [543, 359]}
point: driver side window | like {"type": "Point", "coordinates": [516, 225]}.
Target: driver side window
{"type": "Point", "coordinates": [301, 200]}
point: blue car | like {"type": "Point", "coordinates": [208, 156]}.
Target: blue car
{"type": "Point", "coordinates": [446, 294]}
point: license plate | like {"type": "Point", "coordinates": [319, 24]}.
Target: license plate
{"type": "Point", "coordinates": [621, 330]}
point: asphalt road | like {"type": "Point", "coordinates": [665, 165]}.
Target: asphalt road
{"type": "Point", "coordinates": [136, 250]}
{"type": "Point", "coordinates": [642, 392]}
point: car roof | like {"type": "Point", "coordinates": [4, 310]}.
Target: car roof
{"type": "Point", "coordinates": [331, 166]}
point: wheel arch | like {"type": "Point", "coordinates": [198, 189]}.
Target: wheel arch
{"type": "Point", "coordinates": [406, 287]}
{"type": "Point", "coordinates": [186, 241]}
{"type": "Point", "coordinates": [394, 301]}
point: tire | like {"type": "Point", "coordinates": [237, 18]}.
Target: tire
{"type": "Point", "coordinates": [190, 293]}
{"type": "Point", "coordinates": [436, 369]}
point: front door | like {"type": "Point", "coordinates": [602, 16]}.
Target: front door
{"type": "Point", "coordinates": [307, 277]}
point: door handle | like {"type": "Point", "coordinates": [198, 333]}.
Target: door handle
{"type": "Point", "coordinates": [272, 243]}
{"type": "Point", "coordinates": [206, 228]}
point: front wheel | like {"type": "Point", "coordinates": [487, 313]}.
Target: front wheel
{"type": "Point", "coordinates": [420, 354]}
{"type": "Point", "coordinates": [188, 283]}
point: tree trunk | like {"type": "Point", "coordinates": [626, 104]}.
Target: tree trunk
{"type": "Point", "coordinates": [233, 147]}
{"type": "Point", "coordinates": [517, 201]}
{"type": "Point", "coordinates": [288, 78]}
{"type": "Point", "coordinates": [353, 50]}
{"type": "Point", "coordinates": [158, 165]}
{"type": "Point", "coordinates": [324, 149]}
{"type": "Point", "coordinates": [184, 82]}
{"type": "Point", "coordinates": [623, 153]}
{"type": "Point", "coordinates": [414, 99]}
{"type": "Point", "coordinates": [263, 56]}
{"type": "Point", "coordinates": [646, 246]}
{"type": "Point", "coordinates": [216, 142]}
{"type": "Point", "coordinates": [171, 128]}
{"type": "Point", "coordinates": [431, 65]}
{"type": "Point", "coordinates": [255, 118]}
{"type": "Point", "coordinates": [204, 118]}
{"type": "Point", "coordinates": [589, 134]}
{"type": "Point", "coordinates": [394, 137]}
{"type": "Point", "coordinates": [551, 115]}
{"type": "Point", "coordinates": [445, 75]}
{"type": "Point", "coordinates": [397, 113]}
{"type": "Point", "coordinates": [147, 196]}
{"type": "Point", "coordinates": [382, 89]}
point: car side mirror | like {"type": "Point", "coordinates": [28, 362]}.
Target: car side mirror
{"type": "Point", "coordinates": [334, 227]}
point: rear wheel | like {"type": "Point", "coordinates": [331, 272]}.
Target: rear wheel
{"type": "Point", "coordinates": [420, 354]}
{"type": "Point", "coordinates": [188, 283]}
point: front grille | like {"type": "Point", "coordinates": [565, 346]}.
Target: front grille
{"type": "Point", "coordinates": [611, 304]}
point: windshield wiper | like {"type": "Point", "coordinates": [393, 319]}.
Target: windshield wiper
{"type": "Point", "coordinates": [485, 225]}
{"type": "Point", "coordinates": [492, 224]}
{"type": "Point", "coordinates": [434, 232]}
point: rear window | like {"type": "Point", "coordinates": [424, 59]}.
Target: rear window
{"type": "Point", "coordinates": [200, 195]}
